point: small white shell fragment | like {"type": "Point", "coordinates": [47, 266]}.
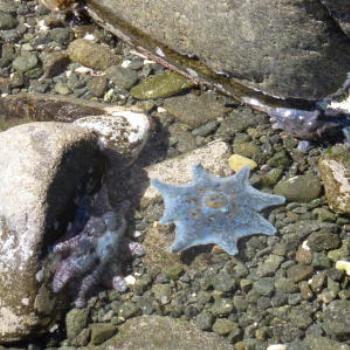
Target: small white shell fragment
{"type": "Point", "coordinates": [277, 347]}
{"type": "Point", "coordinates": [126, 63]}
{"type": "Point", "coordinates": [137, 234]}
{"type": "Point", "coordinates": [343, 265]}
{"type": "Point", "coordinates": [130, 280]}
{"type": "Point", "coordinates": [161, 110]}
{"type": "Point", "coordinates": [305, 246]}
{"type": "Point", "coordinates": [192, 72]}
{"type": "Point", "coordinates": [84, 70]}
{"type": "Point", "coordinates": [90, 37]}
{"type": "Point", "coordinates": [160, 52]}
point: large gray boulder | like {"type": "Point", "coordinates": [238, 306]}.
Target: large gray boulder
{"type": "Point", "coordinates": [289, 48]}
{"type": "Point", "coordinates": [41, 167]}
{"type": "Point", "coordinates": [160, 333]}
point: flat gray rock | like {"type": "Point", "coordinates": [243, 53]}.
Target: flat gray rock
{"type": "Point", "coordinates": [292, 48]}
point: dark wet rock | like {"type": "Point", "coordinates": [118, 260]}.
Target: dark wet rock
{"type": "Point", "coordinates": [336, 318]}
{"type": "Point", "coordinates": [320, 261]}
{"type": "Point", "coordinates": [7, 21]}
{"type": "Point", "coordinates": [286, 285]}
{"type": "Point", "coordinates": [100, 332]}
{"type": "Point", "coordinates": [55, 63]}
{"type": "Point", "coordinates": [128, 310]}
{"type": "Point", "coordinates": [269, 266]}
{"type": "Point", "coordinates": [98, 86]}
{"type": "Point", "coordinates": [291, 50]}
{"type": "Point", "coordinates": [153, 332]}
{"type": "Point", "coordinates": [280, 159]}
{"type": "Point", "coordinates": [76, 321]}
{"type": "Point", "coordinates": [340, 11]}
{"type": "Point", "coordinates": [222, 307]}
{"type": "Point", "coordinates": [175, 272]}
{"type": "Point", "coordinates": [204, 321]}
{"type": "Point", "coordinates": [92, 55]}
{"type": "Point", "coordinates": [161, 85]}
{"type": "Point", "coordinates": [319, 241]}
{"type": "Point", "coordinates": [122, 78]}
{"type": "Point", "coordinates": [224, 326]}
{"type": "Point", "coordinates": [334, 167]}
{"type": "Point", "coordinates": [250, 150]}
{"type": "Point", "coordinates": [8, 6]}
{"type": "Point", "coordinates": [162, 293]}
{"type": "Point", "coordinates": [206, 129]}
{"type": "Point", "coordinates": [264, 286]}
{"type": "Point", "coordinates": [224, 282]}
{"type": "Point", "coordinates": [196, 110]}
{"type": "Point", "coordinates": [26, 62]}
{"type": "Point", "coordinates": [61, 36]}
{"type": "Point", "coordinates": [300, 272]}
{"type": "Point", "coordinates": [303, 188]}
{"type": "Point", "coordinates": [40, 179]}
{"type": "Point", "coordinates": [317, 342]}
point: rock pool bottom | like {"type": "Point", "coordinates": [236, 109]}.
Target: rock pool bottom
{"type": "Point", "coordinates": [282, 289]}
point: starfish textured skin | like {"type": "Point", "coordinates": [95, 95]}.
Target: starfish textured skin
{"type": "Point", "coordinates": [215, 210]}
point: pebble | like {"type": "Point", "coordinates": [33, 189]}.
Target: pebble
{"type": "Point", "coordinates": [301, 188]}
{"type": "Point", "coordinates": [122, 78]}
{"type": "Point", "coordinates": [237, 162]}
{"type": "Point", "coordinates": [55, 63]}
{"type": "Point", "coordinates": [7, 21]}
{"type": "Point", "coordinates": [204, 321]}
{"type": "Point", "coordinates": [343, 265]}
{"type": "Point", "coordinates": [269, 266]}
{"type": "Point", "coordinates": [224, 326]}
{"type": "Point", "coordinates": [300, 272]}
{"type": "Point", "coordinates": [196, 110]}
{"type": "Point", "coordinates": [98, 86]}
{"type": "Point", "coordinates": [335, 318]}
{"type": "Point", "coordinates": [161, 85]}
{"type": "Point", "coordinates": [322, 240]}
{"type": "Point", "coordinates": [222, 307]}
{"type": "Point", "coordinates": [92, 55]}
{"type": "Point", "coordinates": [264, 286]}
{"type": "Point", "coordinates": [76, 321]}
{"type": "Point", "coordinates": [25, 62]}
{"type": "Point", "coordinates": [100, 332]}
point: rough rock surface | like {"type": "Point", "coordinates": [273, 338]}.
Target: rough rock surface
{"type": "Point", "coordinates": [334, 168]}
{"type": "Point", "coordinates": [41, 167]}
{"type": "Point", "coordinates": [159, 333]}
{"type": "Point", "coordinates": [213, 157]}
{"type": "Point", "coordinates": [289, 48]}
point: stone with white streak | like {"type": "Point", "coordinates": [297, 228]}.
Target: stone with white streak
{"type": "Point", "coordinates": [334, 168]}
{"type": "Point", "coordinates": [41, 167]}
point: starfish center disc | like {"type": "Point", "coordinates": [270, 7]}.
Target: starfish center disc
{"type": "Point", "coordinates": [216, 200]}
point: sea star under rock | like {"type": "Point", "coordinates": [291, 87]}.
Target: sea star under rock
{"type": "Point", "coordinates": [90, 254]}
{"type": "Point", "coordinates": [215, 210]}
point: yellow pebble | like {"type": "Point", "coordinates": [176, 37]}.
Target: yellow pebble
{"type": "Point", "coordinates": [237, 162]}
{"type": "Point", "coordinates": [343, 265]}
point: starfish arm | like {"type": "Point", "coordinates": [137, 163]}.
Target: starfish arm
{"type": "Point", "coordinates": [242, 177]}
{"type": "Point", "coordinates": [259, 200]}
{"type": "Point", "coordinates": [259, 224]}
{"type": "Point", "coordinates": [200, 175]}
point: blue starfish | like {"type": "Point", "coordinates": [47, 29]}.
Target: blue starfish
{"type": "Point", "coordinates": [215, 210]}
